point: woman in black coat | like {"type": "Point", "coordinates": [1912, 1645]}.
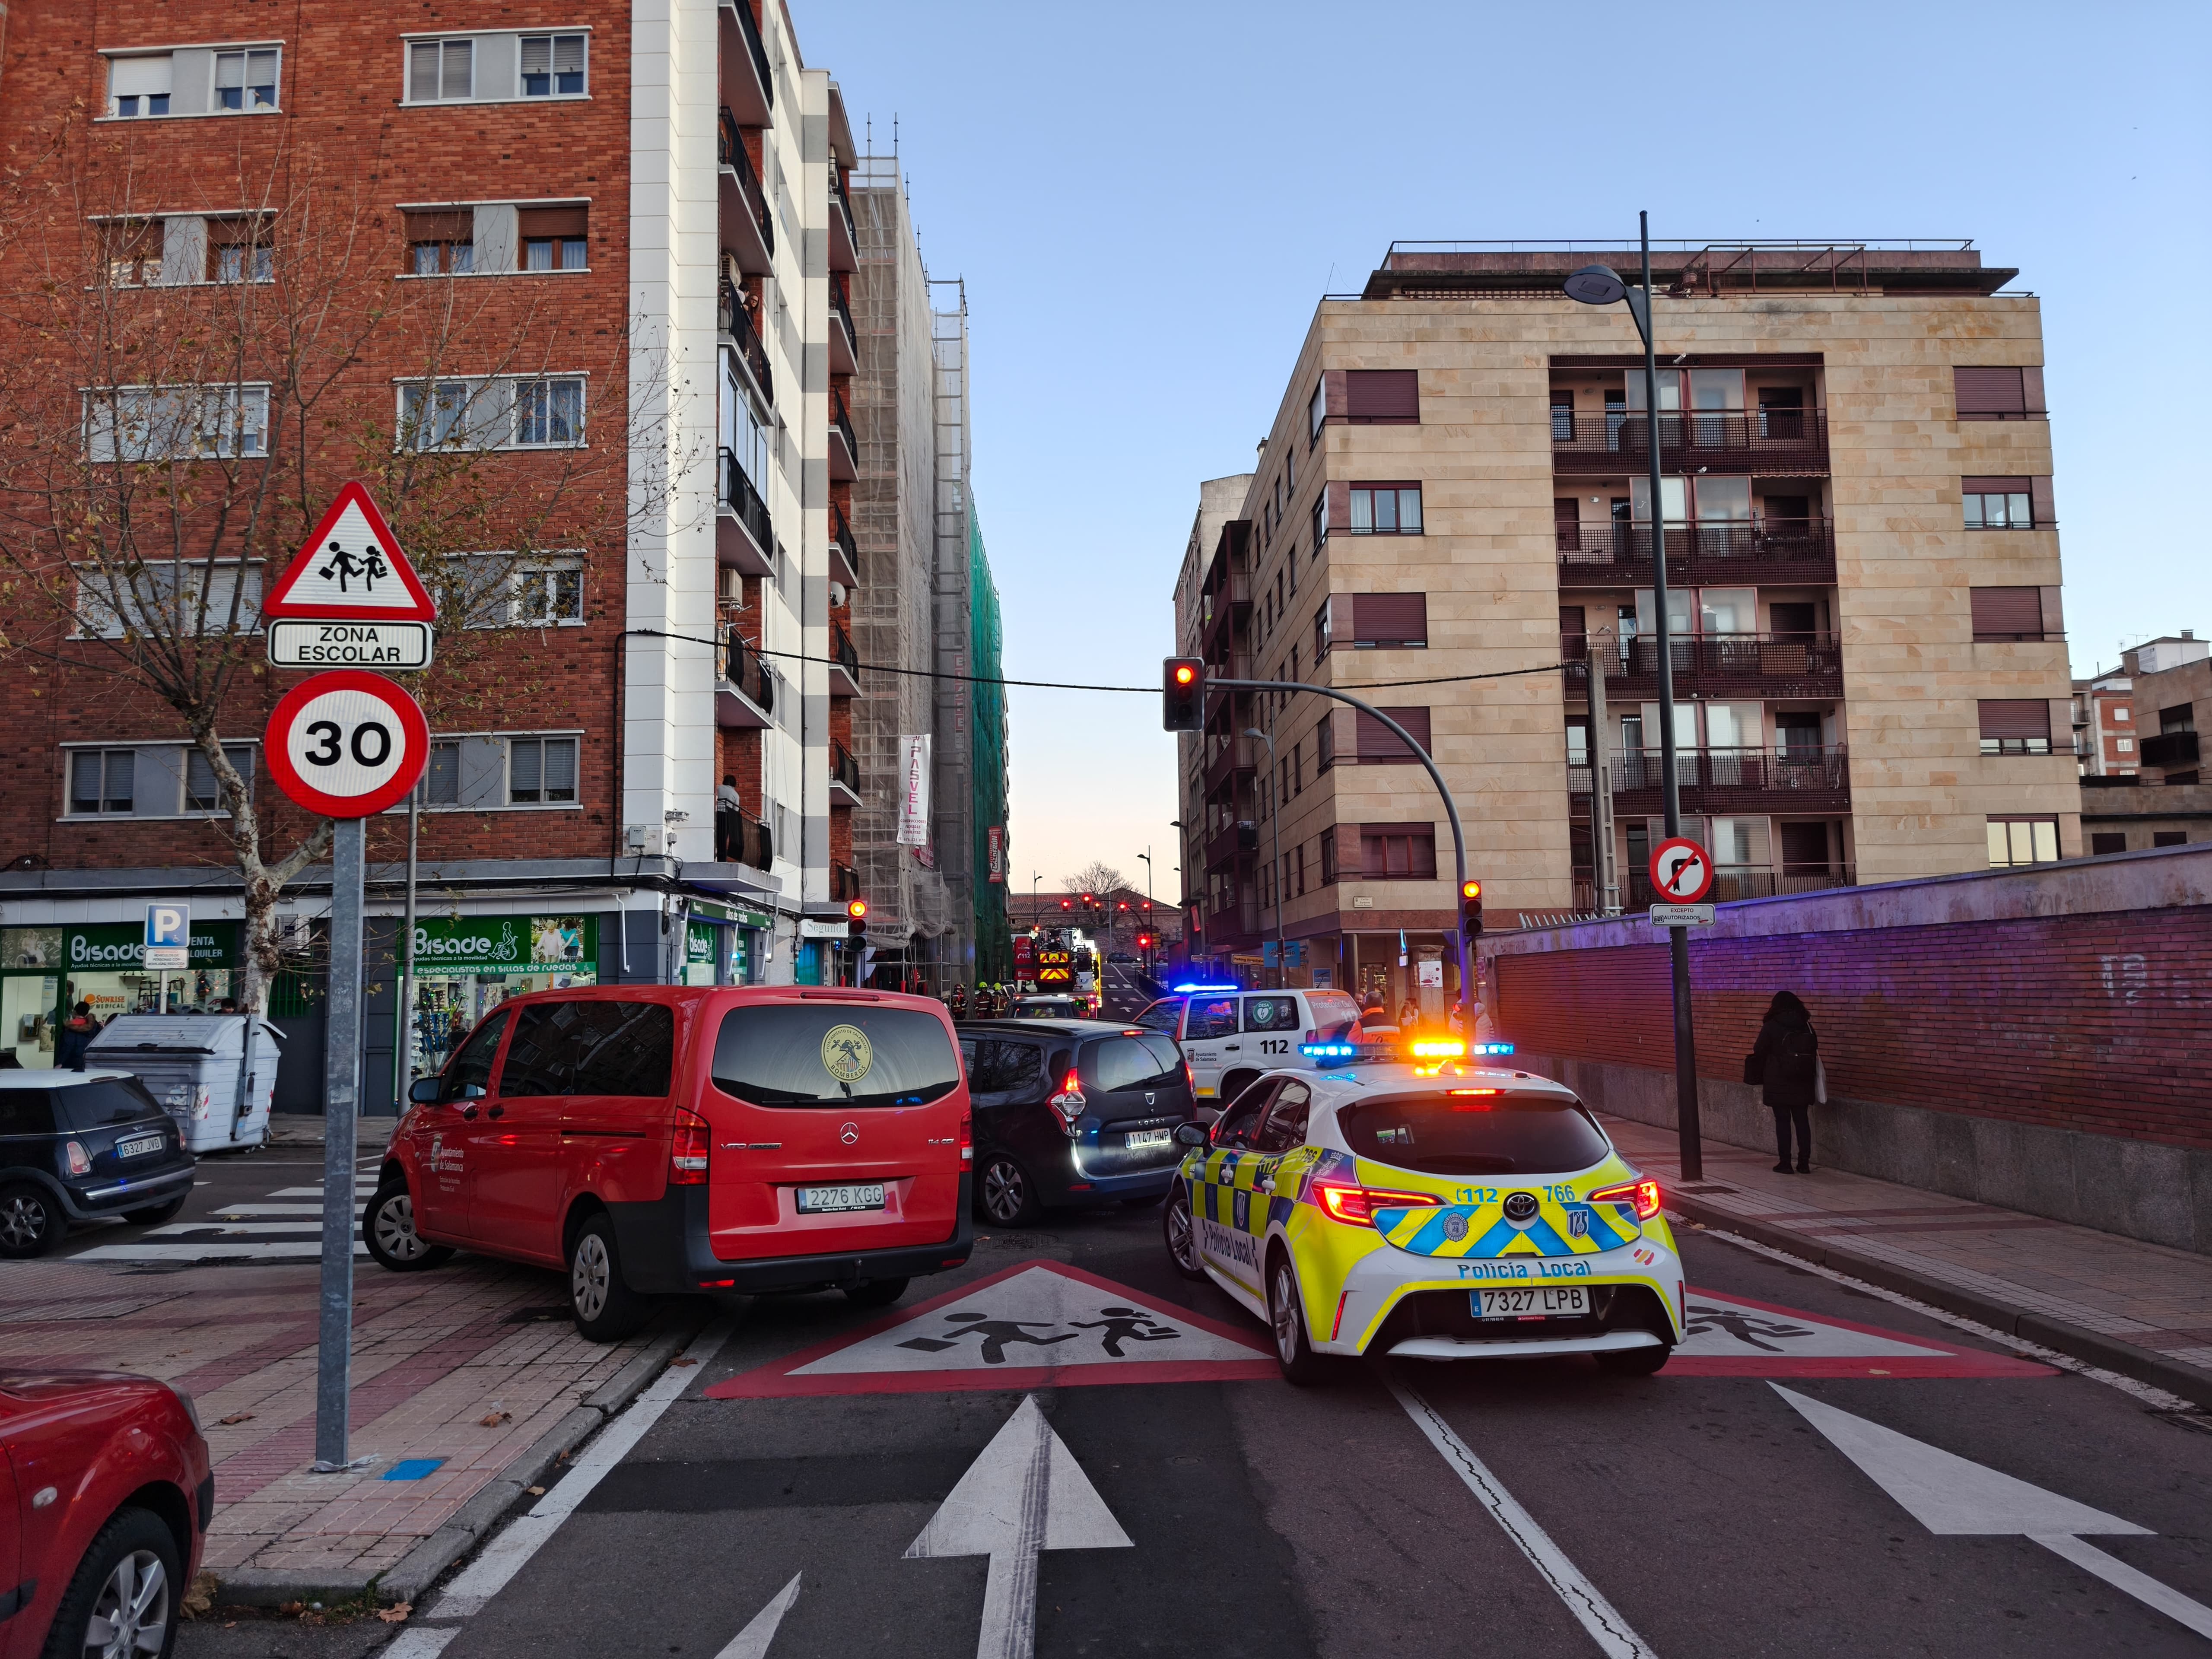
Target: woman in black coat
{"type": "Point", "coordinates": [1785, 1063]}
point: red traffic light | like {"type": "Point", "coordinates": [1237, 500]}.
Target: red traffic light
{"type": "Point", "coordinates": [1184, 674]}
{"type": "Point", "coordinates": [1067, 904]}
{"type": "Point", "coordinates": [858, 910]}
{"type": "Point", "coordinates": [1123, 905]}
{"type": "Point", "coordinates": [856, 918]}
{"type": "Point", "coordinates": [1470, 890]}
{"type": "Point", "coordinates": [1183, 694]}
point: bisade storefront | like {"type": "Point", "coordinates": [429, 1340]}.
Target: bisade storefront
{"type": "Point", "coordinates": [466, 966]}
{"type": "Point", "coordinates": [47, 971]}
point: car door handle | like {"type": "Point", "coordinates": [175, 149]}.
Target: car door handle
{"type": "Point", "coordinates": [468, 1112]}
{"type": "Point", "coordinates": [497, 1111]}
{"type": "Point", "coordinates": [1232, 1045]}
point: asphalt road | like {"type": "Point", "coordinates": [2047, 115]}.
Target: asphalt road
{"type": "Point", "coordinates": [1702, 1515]}
{"type": "Point", "coordinates": [1119, 997]}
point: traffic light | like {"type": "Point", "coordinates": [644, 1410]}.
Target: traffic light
{"type": "Point", "coordinates": [1123, 905]}
{"type": "Point", "coordinates": [856, 919]}
{"type": "Point", "coordinates": [1183, 694]}
{"type": "Point", "coordinates": [1067, 904]}
{"type": "Point", "coordinates": [1470, 908]}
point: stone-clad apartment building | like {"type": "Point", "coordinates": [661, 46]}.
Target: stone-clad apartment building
{"type": "Point", "coordinates": [608, 250]}
{"type": "Point", "coordinates": [1863, 581]}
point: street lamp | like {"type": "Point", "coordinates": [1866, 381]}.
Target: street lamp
{"type": "Point", "coordinates": [1275, 841]}
{"type": "Point", "coordinates": [1599, 285]}
{"type": "Point", "coordinates": [1147, 856]}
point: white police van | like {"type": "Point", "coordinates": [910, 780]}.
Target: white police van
{"type": "Point", "coordinates": [1230, 1034]}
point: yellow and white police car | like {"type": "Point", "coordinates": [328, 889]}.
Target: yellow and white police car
{"type": "Point", "coordinates": [1430, 1207]}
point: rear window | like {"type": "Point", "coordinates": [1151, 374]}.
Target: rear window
{"type": "Point", "coordinates": [1452, 1132]}
{"type": "Point", "coordinates": [1124, 1062]}
{"type": "Point", "coordinates": [25, 1112]}
{"type": "Point", "coordinates": [998, 1067]}
{"type": "Point", "coordinates": [1334, 1013]}
{"type": "Point", "coordinates": [591, 1047]}
{"type": "Point", "coordinates": [110, 1101]}
{"type": "Point", "coordinates": [846, 1055]}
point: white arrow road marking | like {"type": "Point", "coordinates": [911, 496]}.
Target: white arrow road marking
{"type": "Point", "coordinates": [1948, 1494]}
{"type": "Point", "coordinates": [751, 1642]}
{"type": "Point", "coordinates": [1025, 1494]}
{"type": "Point", "coordinates": [1612, 1633]}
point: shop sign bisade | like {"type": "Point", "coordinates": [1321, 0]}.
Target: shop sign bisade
{"type": "Point", "coordinates": [120, 947]}
{"type": "Point", "coordinates": [506, 944]}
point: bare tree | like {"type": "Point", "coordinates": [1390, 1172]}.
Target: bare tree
{"type": "Point", "coordinates": [168, 435]}
{"type": "Point", "coordinates": [1097, 877]}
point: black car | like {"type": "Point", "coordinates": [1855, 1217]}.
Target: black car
{"type": "Point", "coordinates": [1071, 1112]}
{"type": "Point", "coordinates": [84, 1146]}
{"type": "Point", "coordinates": [1050, 1007]}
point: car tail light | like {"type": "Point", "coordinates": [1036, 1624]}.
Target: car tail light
{"type": "Point", "coordinates": [687, 1152]}
{"type": "Point", "coordinates": [1643, 1195]}
{"type": "Point", "coordinates": [1357, 1205]}
{"type": "Point", "coordinates": [79, 1164]}
{"type": "Point", "coordinates": [1189, 1079]}
{"type": "Point", "coordinates": [968, 1134]}
{"type": "Point", "coordinates": [1069, 1103]}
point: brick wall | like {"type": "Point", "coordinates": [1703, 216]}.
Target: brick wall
{"type": "Point", "coordinates": [2093, 1022]}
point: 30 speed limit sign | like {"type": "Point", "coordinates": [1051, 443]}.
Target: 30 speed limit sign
{"type": "Point", "coordinates": [348, 744]}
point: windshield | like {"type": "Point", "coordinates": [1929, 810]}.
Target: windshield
{"type": "Point", "coordinates": [1474, 1131]}
{"type": "Point", "coordinates": [846, 1055]}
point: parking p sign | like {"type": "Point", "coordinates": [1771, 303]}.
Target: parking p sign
{"type": "Point", "coordinates": [168, 936]}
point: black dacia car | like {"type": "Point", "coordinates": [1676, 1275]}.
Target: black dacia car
{"type": "Point", "coordinates": [1071, 1112]}
{"type": "Point", "coordinates": [84, 1146]}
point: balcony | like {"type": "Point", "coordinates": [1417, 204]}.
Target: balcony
{"type": "Point", "coordinates": [1728, 781]}
{"type": "Point", "coordinates": [844, 884]}
{"type": "Point", "coordinates": [844, 241]}
{"type": "Point", "coordinates": [1767, 442]}
{"type": "Point", "coordinates": [844, 551]}
{"type": "Point", "coordinates": [844, 447]}
{"type": "Point", "coordinates": [844, 663]}
{"type": "Point", "coordinates": [844, 776]}
{"type": "Point", "coordinates": [740, 838]}
{"type": "Point", "coordinates": [743, 534]}
{"type": "Point", "coordinates": [1720, 665]}
{"type": "Point", "coordinates": [1235, 839]}
{"type": "Point", "coordinates": [737, 326]}
{"type": "Point", "coordinates": [1225, 757]}
{"type": "Point", "coordinates": [2169, 749]}
{"type": "Point", "coordinates": [1760, 552]}
{"type": "Point", "coordinates": [747, 81]}
{"type": "Point", "coordinates": [747, 230]}
{"type": "Point", "coordinates": [844, 338]}
{"type": "Point", "coordinates": [744, 698]}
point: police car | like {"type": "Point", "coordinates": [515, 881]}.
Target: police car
{"type": "Point", "coordinates": [1230, 1036]}
{"type": "Point", "coordinates": [1427, 1205]}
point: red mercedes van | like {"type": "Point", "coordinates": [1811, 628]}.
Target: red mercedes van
{"type": "Point", "coordinates": [655, 1140]}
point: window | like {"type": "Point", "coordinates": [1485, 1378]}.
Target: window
{"type": "Point", "coordinates": [442, 414]}
{"type": "Point", "coordinates": [440, 69]}
{"type": "Point", "coordinates": [1380, 746]}
{"type": "Point", "coordinates": [1319, 521]}
{"type": "Point", "coordinates": [246, 80]}
{"type": "Point", "coordinates": [1371, 621]}
{"type": "Point", "coordinates": [541, 771]}
{"type": "Point", "coordinates": [549, 596]}
{"type": "Point", "coordinates": [2169, 838]}
{"type": "Point", "coordinates": [2006, 613]}
{"type": "Point", "coordinates": [139, 87]}
{"type": "Point", "coordinates": [591, 1047]}
{"type": "Point", "coordinates": [441, 244]}
{"type": "Point", "coordinates": [1515, 1132]}
{"type": "Point", "coordinates": [2123, 745]}
{"type": "Point", "coordinates": [134, 253]}
{"type": "Point", "coordinates": [1999, 394]}
{"type": "Point", "coordinates": [240, 251]}
{"type": "Point", "coordinates": [102, 780]}
{"type": "Point", "coordinates": [549, 413]}
{"type": "Point", "coordinates": [2015, 727]}
{"type": "Point", "coordinates": [164, 601]}
{"type": "Point", "coordinates": [1998, 503]}
{"type": "Point", "coordinates": [468, 1073]}
{"type": "Point", "coordinates": [1406, 851]}
{"type": "Point", "coordinates": [552, 238]}
{"type": "Point", "coordinates": [1120, 1063]}
{"type": "Point", "coordinates": [2179, 717]}
{"type": "Point", "coordinates": [1382, 397]}
{"type": "Point", "coordinates": [1287, 1120]}
{"type": "Point", "coordinates": [1003, 1067]}
{"type": "Point", "coordinates": [1329, 858]}
{"type": "Point", "coordinates": [201, 793]}
{"type": "Point", "coordinates": [492, 413]}
{"type": "Point", "coordinates": [1386, 509]}
{"type": "Point", "coordinates": [2107, 840]}
{"type": "Point", "coordinates": [163, 423]}
{"type": "Point", "coordinates": [2120, 713]}
{"type": "Point", "coordinates": [1215, 1017]}
{"type": "Point", "coordinates": [772, 1054]}
{"type": "Point", "coordinates": [552, 65]}
{"type": "Point", "coordinates": [1317, 411]}
{"type": "Point", "coordinates": [2023, 840]}
{"type": "Point", "coordinates": [441, 776]}
{"type": "Point", "coordinates": [1563, 416]}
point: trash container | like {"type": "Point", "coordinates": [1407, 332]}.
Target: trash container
{"type": "Point", "coordinates": [189, 1063]}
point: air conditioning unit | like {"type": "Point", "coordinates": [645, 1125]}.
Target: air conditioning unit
{"type": "Point", "coordinates": [733, 591]}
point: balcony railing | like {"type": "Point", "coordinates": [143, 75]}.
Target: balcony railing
{"type": "Point", "coordinates": [845, 255]}
{"type": "Point", "coordinates": [740, 838]}
{"type": "Point", "coordinates": [746, 673]}
{"type": "Point", "coordinates": [841, 648]}
{"type": "Point", "coordinates": [736, 322]}
{"type": "Point", "coordinates": [843, 314]}
{"type": "Point", "coordinates": [1747, 552]}
{"type": "Point", "coordinates": [841, 537]}
{"type": "Point", "coordinates": [1720, 665]}
{"type": "Point", "coordinates": [1784, 442]}
{"type": "Point", "coordinates": [2169, 749]}
{"type": "Point", "coordinates": [1788, 778]}
{"type": "Point", "coordinates": [844, 884]}
{"type": "Point", "coordinates": [841, 418]}
{"type": "Point", "coordinates": [731, 144]}
{"type": "Point", "coordinates": [755, 50]}
{"type": "Point", "coordinates": [1226, 755]}
{"type": "Point", "coordinates": [843, 769]}
{"type": "Point", "coordinates": [741, 499]}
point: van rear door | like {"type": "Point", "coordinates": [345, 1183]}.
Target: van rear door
{"type": "Point", "coordinates": [835, 1121]}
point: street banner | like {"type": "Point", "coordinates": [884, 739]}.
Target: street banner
{"type": "Point", "coordinates": [998, 845]}
{"type": "Point", "coordinates": [913, 791]}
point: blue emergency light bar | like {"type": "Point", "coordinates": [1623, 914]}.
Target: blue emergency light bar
{"type": "Point", "coordinates": [1490, 1048]}
{"type": "Point", "coordinates": [1181, 989]}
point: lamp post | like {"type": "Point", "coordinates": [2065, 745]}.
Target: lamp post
{"type": "Point", "coordinates": [1599, 285]}
{"type": "Point", "coordinates": [1275, 855]}
{"type": "Point", "coordinates": [1147, 856]}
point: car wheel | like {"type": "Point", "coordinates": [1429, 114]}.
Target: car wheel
{"type": "Point", "coordinates": [124, 1598]}
{"type": "Point", "coordinates": [1301, 1365]}
{"type": "Point", "coordinates": [155, 1214]}
{"type": "Point", "coordinates": [1180, 1232]}
{"type": "Point", "coordinates": [1007, 1193]}
{"type": "Point", "coordinates": [604, 1307]}
{"type": "Point", "coordinates": [31, 1222]}
{"type": "Point", "coordinates": [877, 1293]}
{"type": "Point", "coordinates": [387, 1227]}
{"type": "Point", "coordinates": [1636, 1362]}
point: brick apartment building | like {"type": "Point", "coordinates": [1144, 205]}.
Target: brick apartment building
{"type": "Point", "coordinates": [608, 252]}
{"type": "Point", "coordinates": [2161, 799]}
{"type": "Point", "coordinates": [1863, 582]}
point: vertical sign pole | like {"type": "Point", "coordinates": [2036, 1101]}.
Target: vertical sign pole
{"type": "Point", "coordinates": [405, 1069]}
{"type": "Point", "coordinates": [341, 1121]}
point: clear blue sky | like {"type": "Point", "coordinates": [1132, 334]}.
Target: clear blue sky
{"type": "Point", "coordinates": [1147, 199]}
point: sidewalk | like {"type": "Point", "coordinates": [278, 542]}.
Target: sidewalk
{"type": "Point", "coordinates": [468, 1384]}
{"type": "Point", "coordinates": [2141, 1309]}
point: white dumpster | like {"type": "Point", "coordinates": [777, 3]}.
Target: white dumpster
{"type": "Point", "coordinates": [191, 1063]}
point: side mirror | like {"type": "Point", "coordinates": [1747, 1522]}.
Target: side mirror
{"type": "Point", "coordinates": [1190, 1134]}
{"type": "Point", "coordinates": [423, 1092]}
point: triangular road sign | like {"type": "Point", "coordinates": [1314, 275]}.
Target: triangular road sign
{"type": "Point", "coordinates": [1732, 1336]}
{"type": "Point", "coordinates": [1036, 1324]}
{"type": "Point", "coordinates": [350, 569]}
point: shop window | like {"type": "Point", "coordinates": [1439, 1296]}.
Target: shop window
{"type": "Point", "coordinates": [2015, 841]}
{"type": "Point", "coordinates": [541, 771]}
{"type": "Point", "coordinates": [103, 781]}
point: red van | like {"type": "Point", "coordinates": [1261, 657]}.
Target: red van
{"type": "Point", "coordinates": [654, 1140]}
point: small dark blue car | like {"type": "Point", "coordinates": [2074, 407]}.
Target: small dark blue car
{"type": "Point", "coordinates": [84, 1146]}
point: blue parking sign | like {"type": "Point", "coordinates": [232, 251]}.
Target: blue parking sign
{"type": "Point", "coordinates": [169, 935]}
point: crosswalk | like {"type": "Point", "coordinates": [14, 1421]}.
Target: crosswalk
{"type": "Point", "coordinates": [284, 1225]}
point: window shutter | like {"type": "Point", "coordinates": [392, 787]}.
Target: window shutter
{"type": "Point", "coordinates": [457, 225]}
{"type": "Point", "coordinates": [1379, 743]}
{"type": "Point", "coordinates": [1995, 486]}
{"type": "Point", "coordinates": [2030, 381]}
{"type": "Point", "coordinates": [2008, 613]}
{"type": "Point", "coordinates": [1990, 394]}
{"type": "Point", "coordinates": [423, 71]}
{"type": "Point", "coordinates": [457, 82]}
{"type": "Point", "coordinates": [1376, 396]}
{"type": "Point", "coordinates": [536, 54]}
{"type": "Point", "coordinates": [1390, 618]}
{"type": "Point", "coordinates": [2040, 500]}
{"type": "Point", "coordinates": [136, 77]}
{"type": "Point", "coordinates": [243, 230]}
{"type": "Point", "coordinates": [2024, 718]}
{"type": "Point", "coordinates": [540, 221]}
{"type": "Point", "coordinates": [1333, 395]}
